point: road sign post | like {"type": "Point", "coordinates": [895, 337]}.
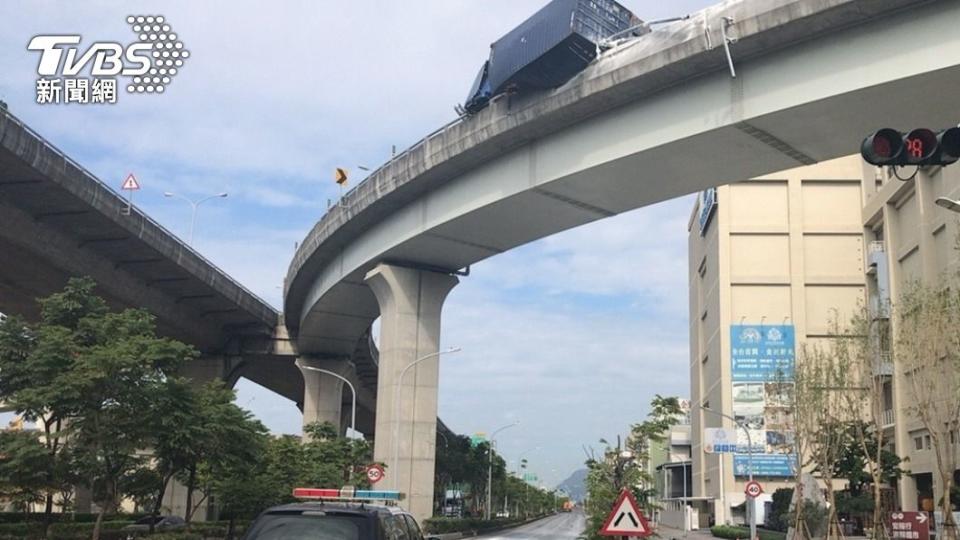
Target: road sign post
{"type": "Point", "coordinates": [374, 473]}
{"type": "Point", "coordinates": [909, 526]}
{"type": "Point", "coordinates": [130, 185]}
{"type": "Point", "coordinates": [626, 519]}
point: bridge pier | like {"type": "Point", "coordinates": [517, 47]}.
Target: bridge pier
{"type": "Point", "coordinates": [322, 393]}
{"type": "Point", "coordinates": [406, 424]}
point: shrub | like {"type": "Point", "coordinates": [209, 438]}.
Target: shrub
{"type": "Point", "coordinates": [743, 533]}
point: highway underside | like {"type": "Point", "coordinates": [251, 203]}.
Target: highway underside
{"type": "Point", "coordinates": [557, 527]}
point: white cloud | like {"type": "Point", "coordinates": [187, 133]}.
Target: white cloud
{"type": "Point", "coordinates": [572, 334]}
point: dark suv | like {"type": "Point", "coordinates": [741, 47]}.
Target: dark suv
{"type": "Point", "coordinates": [335, 521]}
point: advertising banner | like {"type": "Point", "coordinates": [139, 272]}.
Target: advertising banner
{"type": "Point", "coordinates": [762, 358]}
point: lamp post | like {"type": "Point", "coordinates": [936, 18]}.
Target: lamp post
{"type": "Point", "coordinates": [396, 407]}
{"type": "Point", "coordinates": [193, 205]}
{"type": "Point", "coordinates": [948, 203]}
{"type": "Point", "coordinates": [353, 391]}
{"type": "Point", "coordinates": [751, 511]}
{"type": "Point", "coordinates": [490, 465]}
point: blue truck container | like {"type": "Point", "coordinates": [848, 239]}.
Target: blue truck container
{"type": "Point", "coordinates": [549, 48]}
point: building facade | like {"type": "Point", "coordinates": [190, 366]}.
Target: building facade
{"type": "Point", "coordinates": [909, 239]}
{"type": "Point", "coordinates": [772, 261]}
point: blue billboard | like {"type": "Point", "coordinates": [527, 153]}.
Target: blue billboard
{"type": "Point", "coordinates": [762, 364]}
{"type": "Point", "coordinates": [765, 464]}
{"type": "Point", "coordinates": [761, 353]}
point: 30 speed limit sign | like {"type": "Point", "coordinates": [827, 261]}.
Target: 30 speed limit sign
{"type": "Point", "coordinates": [374, 473]}
{"type": "Point", "coordinates": [753, 489]}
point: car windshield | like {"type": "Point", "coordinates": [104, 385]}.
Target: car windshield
{"type": "Point", "coordinates": [313, 526]}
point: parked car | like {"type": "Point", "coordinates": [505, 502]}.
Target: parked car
{"type": "Point", "coordinates": [160, 523]}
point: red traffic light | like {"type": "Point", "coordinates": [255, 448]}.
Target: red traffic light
{"type": "Point", "coordinates": [918, 147]}
{"type": "Point", "coordinates": [883, 147]}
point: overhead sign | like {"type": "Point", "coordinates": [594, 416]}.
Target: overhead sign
{"type": "Point", "coordinates": [753, 489]}
{"type": "Point", "coordinates": [909, 526]}
{"type": "Point", "coordinates": [374, 473]}
{"type": "Point", "coordinates": [626, 518]}
{"type": "Point", "coordinates": [719, 440]}
{"type": "Point", "coordinates": [130, 184]}
{"type": "Point", "coordinates": [477, 438]}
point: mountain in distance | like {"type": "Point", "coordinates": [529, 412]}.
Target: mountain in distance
{"type": "Point", "coordinates": [576, 485]}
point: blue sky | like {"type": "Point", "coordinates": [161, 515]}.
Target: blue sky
{"type": "Point", "coordinates": [572, 335]}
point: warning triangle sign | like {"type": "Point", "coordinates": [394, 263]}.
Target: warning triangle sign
{"type": "Point", "coordinates": [626, 518]}
{"type": "Point", "coordinates": [131, 183]}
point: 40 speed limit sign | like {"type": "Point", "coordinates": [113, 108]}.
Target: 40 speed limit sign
{"type": "Point", "coordinates": [374, 473]}
{"type": "Point", "coordinates": [753, 489]}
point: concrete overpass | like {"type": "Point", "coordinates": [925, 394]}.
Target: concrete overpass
{"type": "Point", "coordinates": [57, 220]}
{"type": "Point", "coordinates": [661, 116]}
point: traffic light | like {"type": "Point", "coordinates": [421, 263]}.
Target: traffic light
{"type": "Point", "coordinates": [918, 147]}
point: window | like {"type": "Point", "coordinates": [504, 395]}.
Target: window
{"type": "Point", "coordinates": [918, 443]}
{"type": "Point", "coordinates": [395, 528]}
{"type": "Point", "coordinates": [413, 527]}
{"type": "Point", "coordinates": [926, 439]}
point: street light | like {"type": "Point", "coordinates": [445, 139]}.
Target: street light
{"type": "Point", "coordinates": [396, 408]}
{"type": "Point", "coordinates": [948, 203]}
{"type": "Point", "coordinates": [193, 205]}
{"type": "Point", "coordinates": [750, 507]}
{"type": "Point", "coordinates": [353, 409]}
{"type": "Point", "coordinates": [490, 465]}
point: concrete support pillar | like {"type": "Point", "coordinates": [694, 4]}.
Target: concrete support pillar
{"type": "Point", "coordinates": [406, 425]}
{"type": "Point", "coordinates": [322, 394]}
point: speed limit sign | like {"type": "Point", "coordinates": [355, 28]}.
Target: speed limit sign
{"type": "Point", "coordinates": [753, 489]}
{"type": "Point", "coordinates": [374, 473]}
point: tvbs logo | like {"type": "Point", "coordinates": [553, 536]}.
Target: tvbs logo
{"type": "Point", "coordinates": [148, 64]}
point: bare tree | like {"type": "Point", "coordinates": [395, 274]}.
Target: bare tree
{"type": "Point", "coordinates": [863, 347]}
{"type": "Point", "coordinates": [927, 356]}
{"type": "Point", "coordinates": [822, 378]}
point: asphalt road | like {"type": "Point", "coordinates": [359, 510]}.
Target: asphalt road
{"type": "Point", "coordinates": [564, 526]}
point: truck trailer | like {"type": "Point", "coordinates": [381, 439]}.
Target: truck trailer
{"type": "Point", "coordinates": [550, 47]}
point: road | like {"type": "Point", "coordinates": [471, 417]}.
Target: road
{"type": "Point", "coordinates": [558, 527]}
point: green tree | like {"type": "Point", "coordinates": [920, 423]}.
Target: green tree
{"type": "Point", "coordinates": [224, 437]}
{"type": "Point", "coordinates": [333, 460]}
{"type": "Point", "coordinates": [24, 469]}
{"type": "Point", "coordinates": [621, 467]}
{"type": "Point", "coordinates": [91, 379]}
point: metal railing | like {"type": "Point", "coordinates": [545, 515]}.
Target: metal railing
{"type": "Point", "coordinates": [50, 146]}
{"type": "Point", "coordinates": [887, 418]}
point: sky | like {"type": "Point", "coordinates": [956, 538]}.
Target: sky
{"type": "Point", "coordinates": [571, 335]}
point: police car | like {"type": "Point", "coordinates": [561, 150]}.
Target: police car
{"type": "Point", "coordinates": [337, 514]}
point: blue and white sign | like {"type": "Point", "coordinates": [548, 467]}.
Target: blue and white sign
{"type": "Point", "coordinates": [761, 353]}
{"type": "Point", "coordinates": [762, 365]}
{"type": "Point", "coordinates": [708, 203]}
{"type": "Point", "coordinates": [719, 440]}
{"type": "Point", "coordinates": [765, 464]}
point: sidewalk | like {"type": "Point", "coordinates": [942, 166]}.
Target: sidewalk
{"type": "Point", "coordinates": [669, 533]}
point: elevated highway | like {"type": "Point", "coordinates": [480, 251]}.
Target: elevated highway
{"type": "Point", "coordinates": [667, 114]}
{"type": "Point", "coordinates": [57, 220]}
